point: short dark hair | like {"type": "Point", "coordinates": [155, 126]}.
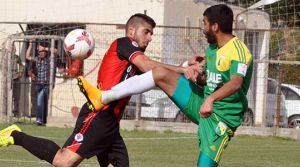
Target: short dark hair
{"type": "Point", "coordinates": [140, 19]}
{"type": "Point", "coordinates": [44, 42]}
{"type": "Point", "coordinates": [222, 15]}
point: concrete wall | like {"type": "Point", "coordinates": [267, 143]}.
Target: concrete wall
{"type": "Point", "coordinates": [61, 11]}
{"type": "Point", "coordinates": [177, 13]}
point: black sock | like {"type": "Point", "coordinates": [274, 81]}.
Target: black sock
{"type": "Point", "coordinates": [44, 149]}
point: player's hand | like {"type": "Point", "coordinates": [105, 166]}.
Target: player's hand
{"type": "Point", "coordinates": [200, 67]}
{"type": "Point", "coordinates": [197, 58]}
{"type": "Point", "coordinates": [191, 72]}
{"type": "Point", "coordinates": [207, 107]}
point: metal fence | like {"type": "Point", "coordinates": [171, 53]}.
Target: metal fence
{"type": "Point", "coordinates": [274, 95]}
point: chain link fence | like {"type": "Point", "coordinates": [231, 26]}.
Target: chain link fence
{"type": "Point", "coordinates": [274, 95]}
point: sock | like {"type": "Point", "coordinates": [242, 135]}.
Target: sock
{"type": "Point", "coordinates": [134, 85]}
{"type": "Point", "coordinates": [44, 149]}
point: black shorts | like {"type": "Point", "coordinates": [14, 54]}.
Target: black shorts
{"type": "Point", "coordinates": [97, 134]}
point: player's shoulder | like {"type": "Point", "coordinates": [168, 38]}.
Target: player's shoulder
{"type": "Point", "coordinates": [239, 46]}
{"type": "Point", "coordinates": [128, 42]}
{"type": "Point", "coordinates": [239, 51]}
{"type": "Point", "coordinates": [123, 39]}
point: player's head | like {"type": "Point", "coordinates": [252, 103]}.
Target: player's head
{"type": "Point", "coordinates": [217, 18]}
{"type": "Point", "coordinates": [140, 28]}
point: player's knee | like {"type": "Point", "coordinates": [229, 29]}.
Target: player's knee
{"type": "Point", "coordinates": [62, 160]}
{"type": "Point", "coordinates": [59, 159]}
{"type": "Point", "coordinates": [63, 163]}
{"type": "Point", "coordinates": [160, 73]}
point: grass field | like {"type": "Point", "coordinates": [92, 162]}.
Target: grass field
{"type": "Point", "coordinates": [168, 149]}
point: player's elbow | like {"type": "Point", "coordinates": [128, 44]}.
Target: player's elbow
{"type": "Point", "coordinates": [236, 87]}
{"type": "Point", "coordinates": [236, 82]}
{"type": "Point", "coordinates": [28, 58]}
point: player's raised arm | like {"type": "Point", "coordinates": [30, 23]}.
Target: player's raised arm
{"type": "Point", "coordinates": [29, 52]}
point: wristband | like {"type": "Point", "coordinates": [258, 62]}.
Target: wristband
{"type": "Point", "coordinates": [185, 64]}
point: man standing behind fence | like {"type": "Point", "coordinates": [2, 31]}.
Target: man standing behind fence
{"type": "Point", "coordinates": [17, 73]}
{"type": "Point", "coordinates": [42, 62]}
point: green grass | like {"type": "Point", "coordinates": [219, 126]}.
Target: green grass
{"type": "Point", "coordinates": [168, 149]}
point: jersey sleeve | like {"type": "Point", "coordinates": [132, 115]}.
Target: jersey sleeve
{"type": "Point", "coordinates": [241, 59]}
{"type": "Point", "coordinates": [128, 49]}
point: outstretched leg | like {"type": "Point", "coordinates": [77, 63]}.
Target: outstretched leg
{"type": "Point", "coordinates": [44, 149]}
{"type": "Point", "coordinates": [5, 135]}
{"type": "Point", "coordinates": [175, 85]}
{"type": "Point", "coordinates": [162, 77]}
{"type": "Point", "coordinates": [134, 85]}
{"type": "Point", "coordinates": [165, 79]}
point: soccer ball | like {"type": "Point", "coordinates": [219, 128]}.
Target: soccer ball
{"type": "Point", "coordinates": [79, 44]}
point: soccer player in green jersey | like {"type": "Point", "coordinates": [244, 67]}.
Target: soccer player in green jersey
{"type": "Point", "coordinates": [217, 106]}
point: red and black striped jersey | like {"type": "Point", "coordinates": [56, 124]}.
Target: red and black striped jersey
{"type": "Point", "coordinates": [116, 67]}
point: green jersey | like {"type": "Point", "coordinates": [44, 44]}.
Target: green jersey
{"type": "Point", "coordinates": [234, 58]}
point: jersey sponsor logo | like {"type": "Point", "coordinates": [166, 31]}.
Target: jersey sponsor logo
{"type": "Point", "coordinates": [222, 57]}
{"type": "Point", "coordinates": [213, 80]}
{"type": "Point", "coordinates": [242, 69]}
{"type": "Point", "coordinates": [223, 62]}
{"type": "Point", "coordinates": [78, 137]}
{"type": "Point", "coordinates": [135, 44]}
{"type": "Point", "coordinates": [221, 129]}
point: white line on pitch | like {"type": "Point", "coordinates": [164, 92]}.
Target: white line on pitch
{"type": "Point", "coordinates": [38, 162]}
{"type": "Point", "coordinates": [134, 138]}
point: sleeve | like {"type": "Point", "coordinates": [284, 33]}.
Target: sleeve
{"type": "Point", "coordinates": [128, 49]}
{"type": "Point", "coordinates": [240, 60]}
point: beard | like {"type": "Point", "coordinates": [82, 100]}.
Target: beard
{"type": "Point", "coordinates": [211, 37]}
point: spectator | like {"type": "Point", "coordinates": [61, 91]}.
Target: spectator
{"type": "Point", "coordinates": [17, 73]}
{"type": "Point", "coordinates": [42, 62]}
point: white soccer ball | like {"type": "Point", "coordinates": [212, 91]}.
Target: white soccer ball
{"type": "Point", "coordinates": [79, 44]}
